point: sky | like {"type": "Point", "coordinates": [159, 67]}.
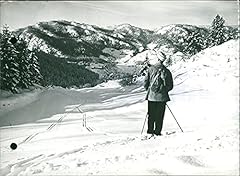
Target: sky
{"type": "Point", "coordinates": [144, 14]}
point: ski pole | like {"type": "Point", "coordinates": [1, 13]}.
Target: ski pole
{"type": "Point", "coordinates": [174, 117]}
{"type": "Point", "coordinates": [144, 123]}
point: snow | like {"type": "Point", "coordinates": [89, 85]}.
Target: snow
{"type": "Point", "coordinates": [204, 101]}
{"type": "Point", "coordinates": [9, 101]}
{"type": "Point", "coordinates": [165, 29]}
{"type": "Point", "coordinates": [71, 31]}
{"type": "Point", "coordinates": [124, 56]}
{"type": "Point", "coordinates": [87, 32]}
{"type": "Point", "coordinates": [73, 23]}
{"type": "Point", "coordinates": [35, 41]}
{"type": "Point", "coordinates": [87, 27]}
{"type": "Point", "coordinates": [125, 28]}
{"type": "Point", "coordinates": [140, 58]}
{"type": "Point", "coordinates": [220, 65]}
{"type": "Point", "coordinates": [49, 33]}
{"type": "Point", "coordinates": [151, 45]}
{"type": "Point", "coordinates": [118, 35]}
{"type": "Point", "coordinates": [174, 29]}
{"type": "Point", "coordinates": [108, 84]}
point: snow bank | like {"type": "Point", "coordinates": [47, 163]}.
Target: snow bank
{"type": "Point", "coordinates": [9, 101]}
{"type": "Point", "coordinates": [108, 84]}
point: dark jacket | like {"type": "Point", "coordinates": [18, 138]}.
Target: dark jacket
{"type": "Point", "coordinates": [167, 83]}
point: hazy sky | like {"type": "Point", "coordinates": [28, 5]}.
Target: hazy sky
{"type": "Point", "coordinates": [145, 14]}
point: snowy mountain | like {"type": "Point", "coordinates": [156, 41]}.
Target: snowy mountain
{"type": "Point", "coordinates": [71, 39]}
{"type": "Point", "coordinates": [171, 40]}
{"type": "Point", "coordinates": [95, 48]}
{"type": "Point", "coordinates": [172, 37]}
{"type": "Point", "coordinates": [76, 41]}
{"type": "Point", "coordinates": [97, 130]}
{"type": "Point", "coordinates": [105, 51]}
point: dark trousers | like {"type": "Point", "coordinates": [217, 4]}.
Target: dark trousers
{"type": "Point", "coordinates": [156, 112]}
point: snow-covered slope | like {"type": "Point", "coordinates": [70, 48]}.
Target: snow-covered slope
{"type": "Point", "coordinates": [204, 101]}
{"type": "Point", "coordinates": [217, 68]}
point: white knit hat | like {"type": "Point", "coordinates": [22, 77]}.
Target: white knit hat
{"type": "Point", "coordinates": [161, 56]}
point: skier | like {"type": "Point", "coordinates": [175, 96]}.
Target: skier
{"type": "Point", "coordinates": [158, 82]}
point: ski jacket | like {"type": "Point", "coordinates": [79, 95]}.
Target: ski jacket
{"type": "Point", "coordinates": [158, 71]}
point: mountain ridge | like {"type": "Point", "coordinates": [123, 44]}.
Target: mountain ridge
{"type": "Point", "coordinates": [100, 49]}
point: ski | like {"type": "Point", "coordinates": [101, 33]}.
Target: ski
{"type": "Point", "coordinates": [169, 133]}
{"type": "Point", "coordinates": [156, 136]}
{"type": "Point", "coordinates": [148, 137]}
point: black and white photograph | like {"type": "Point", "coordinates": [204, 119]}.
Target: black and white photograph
{"type": "Point", "coordinates": [119, 88]}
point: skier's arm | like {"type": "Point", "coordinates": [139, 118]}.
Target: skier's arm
{"type": "Point", "coordinates": [169, 81]}
{"type": "Point", "coordinates": [146, 81]}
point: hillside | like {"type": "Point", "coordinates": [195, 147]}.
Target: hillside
{"type": "Point", "coordinates": [171, 38]}
{"type": "Point", "coordinates": [76, 40]}
{"type": "Point", "coordinates": [217, 67]}
{"type": "Point", "coordinates": [93, 47]}
{"type": "Point", "coordinates": [106, 51]}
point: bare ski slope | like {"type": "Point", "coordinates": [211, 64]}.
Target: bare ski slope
{"type": "Point", "coordinates": [204, 101]}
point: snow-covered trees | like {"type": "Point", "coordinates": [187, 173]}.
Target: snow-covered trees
{"type": "Point", "coordinates": [34, 68]}
{"type": "Point", "coordinates": [194, 43]}
{"type": "Point", "coordinates": [23, 63]}
{"type": "Point", "coordinates": [9, 77]}
{"type": "Point", "coordinates": [19, 65]}
{"type": "Point", "coordinates": [216, 35]}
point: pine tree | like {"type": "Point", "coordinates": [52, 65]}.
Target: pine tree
{"type": "Point", "coordinates": [24, 64]}
{"type": "Point", "coordinates": [230, 33]}
{"type": "Point", "coordinates": [216, 36]}
{"type": "Point", "coordinates": [9, 72]}
{"type": "Point", "coordinates": [34, 68]}
{"type": "Point", "coordinates": [194, 43]}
